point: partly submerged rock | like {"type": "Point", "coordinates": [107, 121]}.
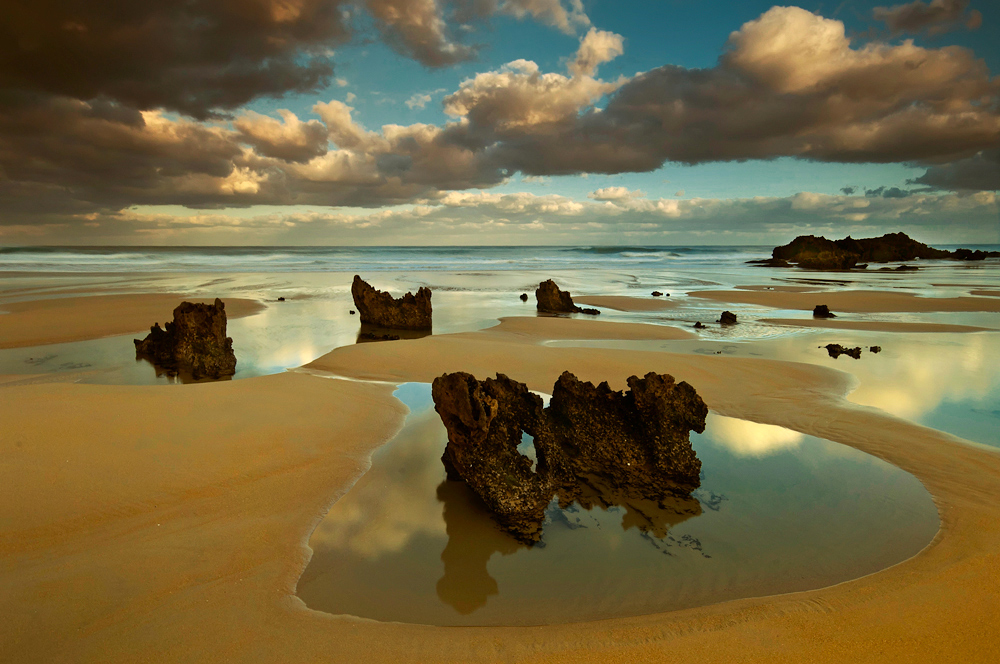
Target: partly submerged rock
{"type": "Point", "coordinates": [836, 350]}
{"type": "Point", "coordinates": [699, 326]}
{"type": "Point", "coordinates": [592, 444]}
{"type": "Point", "coordinates": [727, 318]}
{"type": "Point", "coordinates": [657, 293]}
{"type": "Point", "coordinates": [823, 311]}
{"type": "Point", "coordinates": [819, 253]}
{"type": "Point", "coordinates": [410, 312]}
{"type": "Point", "coordinates": [194, 342]}
{"type": "Point", "coordinates": [875, 349]}
{"type": "Point", "coordinates": [524, 297]}
{"type": "Point", "coordinates": [552, 300]}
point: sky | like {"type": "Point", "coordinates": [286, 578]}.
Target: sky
{"type": "Point", "coordinates": [472, 122]}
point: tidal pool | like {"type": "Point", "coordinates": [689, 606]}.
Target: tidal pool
{"type": "Point", "coordinates": [777, 512]}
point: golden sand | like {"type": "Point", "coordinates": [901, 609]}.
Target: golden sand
{"type": "Point", "coordinates": [874, 325]}
{"type": "Point", "coordinates": [168, 523]}
{"type": "Point", "coordinates": [60, 320]}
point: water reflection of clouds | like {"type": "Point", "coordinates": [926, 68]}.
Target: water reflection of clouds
{"type": "Point", "coordinates": [750, 439]}
{"type": "Point", "coordinates": [393, 502]}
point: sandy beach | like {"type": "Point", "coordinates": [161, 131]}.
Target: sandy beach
{"type": "Point", "coordinates": [175, 529]}
{"type": "Point", "coordinates": [59, 320]}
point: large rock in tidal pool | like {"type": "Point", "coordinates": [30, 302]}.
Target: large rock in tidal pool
{"type": "Point", "coordinates": [593, 445]}
{"type": "Point", "coordinates": [552, 300]}
{"type": "Point", "coordinates": [194, 342]}
{"type": "Point", "coordinates": [381, 309]}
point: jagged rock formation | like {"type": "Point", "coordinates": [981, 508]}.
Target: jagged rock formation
{"type": "Point", "coordinates": [698, 325]}
{"type": "Point", "coordinates": [524, 297]}
{"type": "Point", "coordinates": [836, 350]}
{"type": "Point", "coordinates": [593, 445]}
{"type": "Point", "coordinates": [875, 349]}
{"type": "Point", "coordinates": [823, 311]}
{"type": "Point", "coordinates": [727, 318]}
{"type": "Point", "coordinates": [552, 300]}
{"type": "Point", "coordinates": [819, 253]}
{"type": "Point", "coordinates": [410, 312]}
{"type": "Point", "coordinates": [194, 342]}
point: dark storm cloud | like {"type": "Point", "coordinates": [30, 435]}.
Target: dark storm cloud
{"type": "Point", "coordinates": [192, 56]}
{"type": "Point", "coordinates": [847, 191]}
{"type": "Point", "coordinates": [980, 172]}
{"type": "Point", "coordinates": [936, 17]}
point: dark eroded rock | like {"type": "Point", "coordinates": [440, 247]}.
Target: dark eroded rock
{"type": "Point", "coordinates": [657, 293]}
{"type": "Point", "coordinates": [698, 326]}
{"type": "Point", "coordinates": [875, 349]}
{"type": "Point", "coordinates": [593, 445]}
{"type": "Point", "coordinates": [727, 318]}
{"type": "Point", "coordinates": [819, 253]}
{"type": "Point", "coordinates": [524, 297]}
{"type": "Point", "coordinates": [552, 300]}
{"type": "Point", "coordinates": [410, 312]}
{"type": "Point", "coordinates": [822, 311]}
{"type": "Point", "coordinates": [194, 342]}
{"type": "Point", "coordinates": [836, 350]}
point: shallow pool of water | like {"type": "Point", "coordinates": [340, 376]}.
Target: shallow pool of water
{"type": "Point", "coordinates": [777, 512]}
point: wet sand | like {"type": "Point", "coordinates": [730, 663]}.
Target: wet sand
{"type": "Point", "coordinates": [874, 326]}
{"type": "Point", "coordinates": [852, 301]}
{"type": "Point", "coordinates": [174, 528]}
{"type": "Point", "coordinates": [626, 303]}
{"type": "Point", "coordinates": [64, 319]}
{"type": "Point", "coordinates": [986, 293]}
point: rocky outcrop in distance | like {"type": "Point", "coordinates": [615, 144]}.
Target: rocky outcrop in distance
{"type": "Point", "coordinates": [823, 311]}
{"type": "Point", "coordinates": [194, 342]}
{"type": "Point", "coordinates": [593, 445]}
{"type": "Point", "coordinates": [819, 253]}
{"type": "Point", "coordinates": [381, 309]}
{"type": "Point", "coordinates": [552, 300]}
{"type": "Point", "coordinates": [727, 318]}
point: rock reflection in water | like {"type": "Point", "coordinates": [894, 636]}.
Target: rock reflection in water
{"type": "Point", "coordinates": [403, 544]}
{"type": "Point", "coordinates": [473, 536]}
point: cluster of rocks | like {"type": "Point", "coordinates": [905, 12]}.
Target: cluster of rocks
{"type": "Point", "coordinates": [593, 445]}
{"type": "Point", "coordinates": [194, 343]}
{"type": "Point", "coordinates": [551, 300]}
{"type": "Point", "coordinates": [836, 350]}
{"type": "Point", "coordinates": [819, 253]}
{"type": "Point", "coordinates": [823, 311]}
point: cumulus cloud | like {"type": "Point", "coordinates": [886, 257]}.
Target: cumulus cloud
{"type": "Point", "coordinates": [936, 17]}
{"type": "Point", "coordinates": [566, 17]}
{"type": "Point", "coordinates": [790, 84]}
{"type": "Point", "coordinates": [417, 28]}
{"type": "Point", "coordinates": [290, 140]}
{"type": "Point", "coordinates": [418, 100]}
{"type": "Point", "coordinates": [615, 194]}
{"type": "Point", "coordinates": [596, 48]}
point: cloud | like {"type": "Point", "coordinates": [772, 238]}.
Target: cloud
{"type": "Point", "coordinates": [886, 192]}
{"type": "Point", "coordinates": [291, 140]}
{"type": "Point", "coordinates": [615, 194]}
{"type": "Point", "coordinates": [847, 191]}
{"type": "Point", "coordinates": [417, 29]}
{"type": "Point", "coordinates": [418, 100]}
{"type": "Point", "coordinates": [980, 172]}
{"type": "Point", "coordinates": [551, 12]}
{"type": "Point", "coordinates": [596, 47]}
{"type": "Point", "coordinates": [467, 216]}
{"type": "Point", "coordinates": [790, 84]}
{"type": "Point", "coordinates": [936, 17]}
{"type": "Point", "coordinates": [194, 57]}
